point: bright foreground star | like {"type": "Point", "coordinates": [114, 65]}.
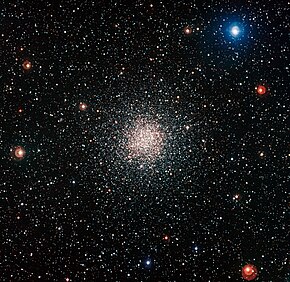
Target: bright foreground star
{"type": "Point", "coordinates": [27, 65]}
{"type": "Point", "coordinates": [145, 141]}
{"type": "Point", "coordinates": [249, 272]}
{"type": "Point", "coordinates": [235, 30]}
{"type": "Point", "coordinates": [261, 90]}
{"type": "Point", "coordinates": [18, 153]}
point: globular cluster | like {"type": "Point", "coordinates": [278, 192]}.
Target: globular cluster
{"type": "Point", "coordinates": [144, 140]}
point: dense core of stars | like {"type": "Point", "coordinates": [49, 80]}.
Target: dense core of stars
{"type": "Point", "coordinates": [144, 141]}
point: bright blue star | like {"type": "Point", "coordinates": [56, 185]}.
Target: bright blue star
{"type": "Point", "coordinates": [195, 248]}
{"type": "Point", "coordinates": [235, 31]}
{"type": "Point", "coordinates": [148, 263]}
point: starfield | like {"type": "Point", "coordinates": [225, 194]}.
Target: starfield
{"type": "Point", "coordinates": [144, 140]}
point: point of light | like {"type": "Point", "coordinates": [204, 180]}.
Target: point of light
{"type": "Point", "coordinates": [249, 272]}
{"type": "Point", "coordinates": [27, 65]}
{"type": "Point", "coordinates": [235, 31]}
{"type": "Point", "coordinates": [18, 153]}
{"type": "Point", "coordinates": [187, 30]}
{"type": "Point", "coordinates": [148, 263]}
{"type": "Point", "coordinates": [166, 237]}
{"type": "Point", "coordinates": [83, 106]}
{"type": "Point", "coordinates": [261, 89]}
{"type": "Point", "coordinates": [236, 197]}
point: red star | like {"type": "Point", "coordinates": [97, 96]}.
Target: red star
{"type": "Point", "coordinates": [187, 30]}
{"type": "Point", "coordinates": [249, 272]}
{"type": "Point", "coordinates": [27, 65]}
{"type": "Point", "coordinates": [83, 106]}
{"type": "Point", "coordinates": [18, 153]}
{"type": "Point", "coordinates": [261, 89]}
